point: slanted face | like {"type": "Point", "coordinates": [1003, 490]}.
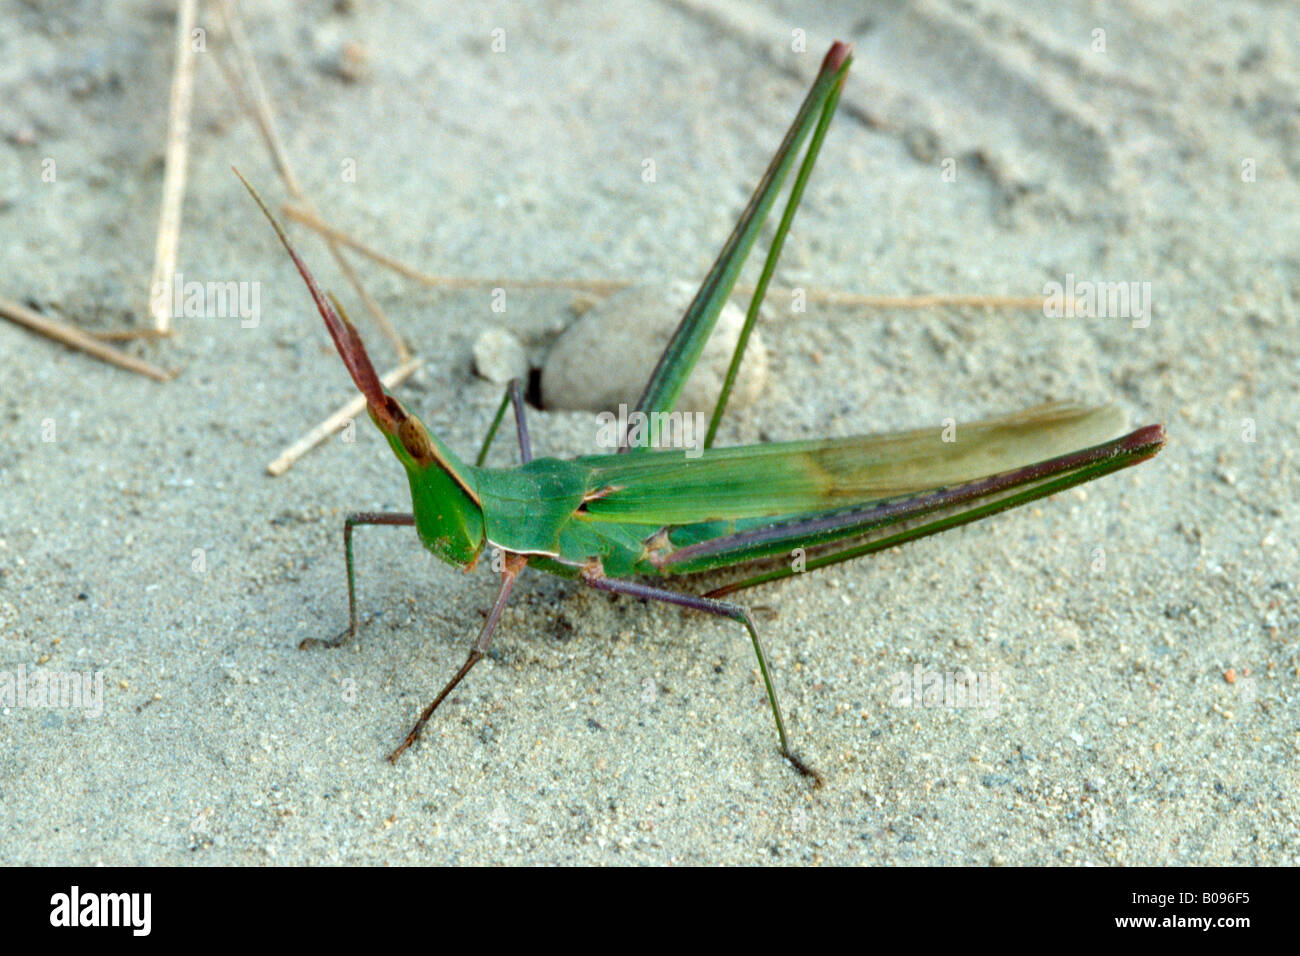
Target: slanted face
{"type": "Point", "coordinates": [448, 515]}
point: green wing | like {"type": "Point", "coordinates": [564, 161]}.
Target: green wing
{"type": "Point", "coordinates": [786, 478]}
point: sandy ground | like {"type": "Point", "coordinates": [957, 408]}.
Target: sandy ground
{"type": "Point", "coordinates": [1142, 631]}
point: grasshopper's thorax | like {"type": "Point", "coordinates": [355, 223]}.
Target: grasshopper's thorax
{"type": "Point", "coordinates": [448, 515]}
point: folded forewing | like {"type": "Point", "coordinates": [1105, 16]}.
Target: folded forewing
{"type": "Point", "coordinates": [785, 478]}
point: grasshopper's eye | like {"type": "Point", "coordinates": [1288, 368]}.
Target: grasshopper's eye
{"type": "Point", "coordinates": [415, 440]}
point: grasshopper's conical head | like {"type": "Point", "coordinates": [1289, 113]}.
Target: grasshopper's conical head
{"type": "Point", "coordinates": [448, 513]}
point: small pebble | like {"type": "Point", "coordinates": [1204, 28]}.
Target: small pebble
{"type": "Point", "coordinates": [605, 358]}
{"type": "Point", "coordinates": [499, 357]}
{"type": "Point", "coordinates": [353, 63]}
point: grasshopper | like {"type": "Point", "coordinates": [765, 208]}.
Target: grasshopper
{"type": "Point", "coordinates": [611, 521]}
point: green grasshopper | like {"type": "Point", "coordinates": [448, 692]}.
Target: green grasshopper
{"type": "Point", "coordinates": [646, 512]}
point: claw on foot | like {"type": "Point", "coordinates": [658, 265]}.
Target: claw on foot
{"type": "Point", "coordinates": [812, 773]}
{"type": "Point", "coordinates": [307, 643]}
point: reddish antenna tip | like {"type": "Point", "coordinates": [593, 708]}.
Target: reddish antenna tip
{"type": "Point", "coordinates": [836, 55]}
